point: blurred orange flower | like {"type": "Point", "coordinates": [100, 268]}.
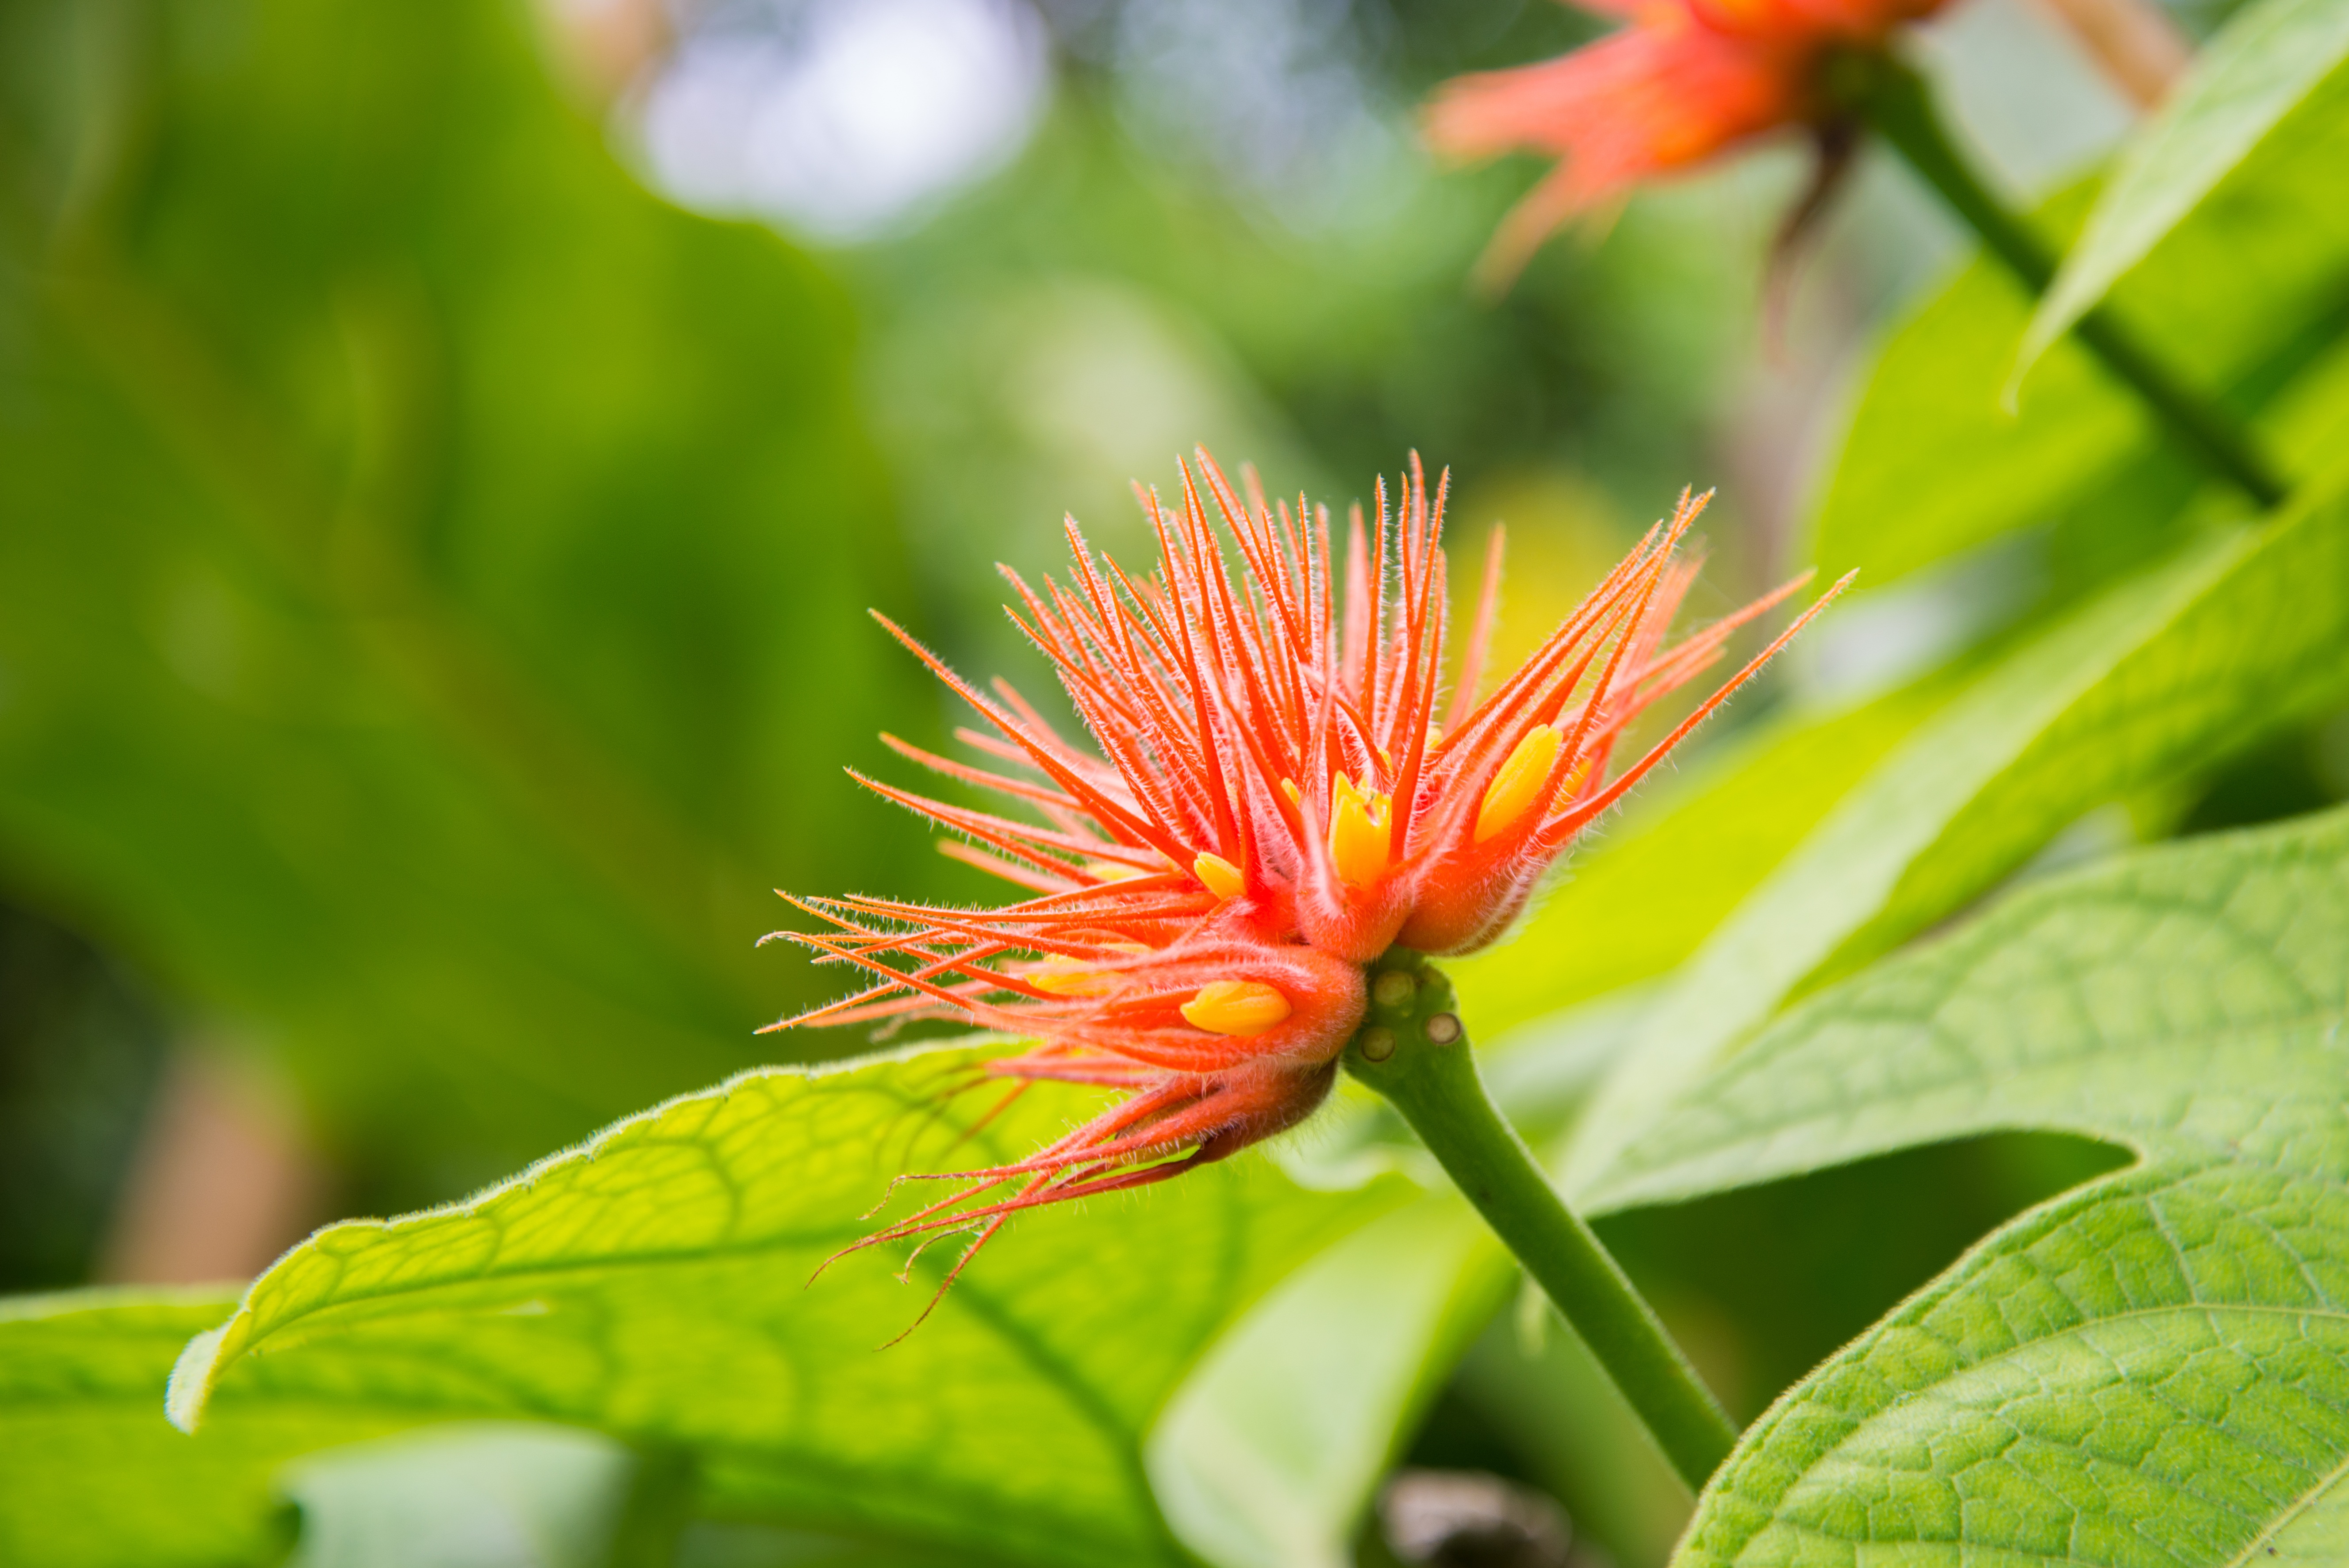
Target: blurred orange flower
{"type": "Point", "coordinates": [1684, 80]}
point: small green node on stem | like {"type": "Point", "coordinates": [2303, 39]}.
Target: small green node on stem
{"type": "Point", "coordinates": [1404, 1051]}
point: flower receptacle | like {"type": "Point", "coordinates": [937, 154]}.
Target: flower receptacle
{"type": "Point", "coordinates": [1411, 1013]}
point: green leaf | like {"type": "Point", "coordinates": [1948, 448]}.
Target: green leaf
{"type": "Point", "coordinates": [2235, 300]}
{"type": "Point", "coordinates": [2263, 64]}
{"type": "Point", "coordinates": [655, 1285]}
{"type": "Point", "coordinates": [2154, 1368]}
{"type": "Point", "coordinates": [431, 570]}
{"type": "Point", "coordinates": [95, 1479]}
{"type": "Point", "coordinates": [2167, 672]}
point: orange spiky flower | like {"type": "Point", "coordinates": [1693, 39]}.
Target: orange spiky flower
{"type": "Point", "coordinates": [1686, 80]}
{"type": "Point", "coordinates": [1273, 803]}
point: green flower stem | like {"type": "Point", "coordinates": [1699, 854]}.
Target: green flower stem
{"type": "Point", "coordinates": [1412, 1050]}
{"type": "Point", "coordinates": [1898, 105]}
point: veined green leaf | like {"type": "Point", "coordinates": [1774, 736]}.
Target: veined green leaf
{"type": "Point", "coordinates": [2152, 1369]}
{"type": "Point", "coordinates": [95, 1479]}
{"type": "Point", "coordinates": [655, 1285]}
{"type": "Point", "coordinates": [2262, 65]}
{"type": "Point", "coordinates": [2169, 670]}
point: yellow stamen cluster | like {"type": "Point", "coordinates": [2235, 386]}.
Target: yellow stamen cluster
{"type": "Point", "coordinates": [1362, 833]}
{"type": "Point", "coordinates": [1518, 783]}
{"type": "Point", "coordinates": [1236, 1007]}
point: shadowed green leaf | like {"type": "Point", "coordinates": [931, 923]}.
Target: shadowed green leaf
{"type": "Point", "coordinates": [2152, 1369]}
{"type": "Point", "coordinates": [2261, 65]}
{"type": "Point", "coordinates": [655, 1285]}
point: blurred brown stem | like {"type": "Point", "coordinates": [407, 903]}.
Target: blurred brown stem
{"type": "Point", "coordinates": [2135, 42]}
{"type": "Point", "coordinates": [224, 1179]}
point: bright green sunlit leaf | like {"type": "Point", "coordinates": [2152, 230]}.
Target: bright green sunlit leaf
{"type": "Point", "coordinates": [655, 1285]}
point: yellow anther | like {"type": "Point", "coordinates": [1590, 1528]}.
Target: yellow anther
{"type": "Point", "coordinates": [1360, 833]}
{"type": "Point", "coordinates": [1114, 871]}
{"type": "Point", "coordinates": [1062, 975]}
{"type": "Point", "coordinates": [1235, 1008]}
{"type": "Point", "coordinates": [1296, 796]}
{"type": "Point", "coordinates": [1222, 878]}
{"type": "Point", "coordinates": [1518, 783]}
